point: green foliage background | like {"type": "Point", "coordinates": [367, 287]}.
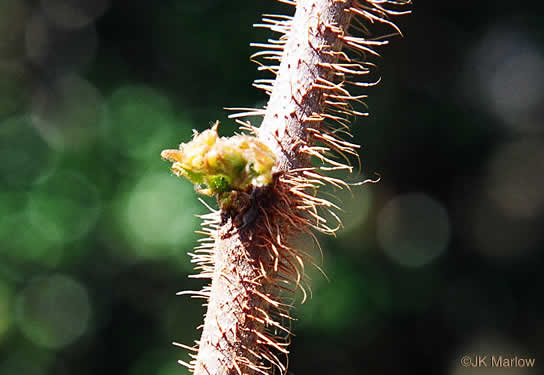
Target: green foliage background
{"type": "Point", "coordinates": [442, 258]}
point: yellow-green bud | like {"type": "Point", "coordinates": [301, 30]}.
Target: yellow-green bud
{"type": "Point", "coordinates": [221, 164]}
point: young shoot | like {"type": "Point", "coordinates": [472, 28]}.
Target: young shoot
{"type": "Point", "coordinates": [219, 165]}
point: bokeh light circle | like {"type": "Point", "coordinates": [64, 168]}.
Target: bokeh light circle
{"type": "Point", "coordinates": [142, 122]}
{"type": "Point", "coordinates": [499, 236]}
{"type": "Point", "coordinates": [25, 155]}
{"type": "Point", "coordinates": [506, 61]}
{"type": "Point", "coordinates": [19, 239]}
{"type": "Point", "coordinates": [57, 51]}
{"type": "Point", "coordinates": [504, 212]}
{"type": "Point", "coordinates": [515, 180]}
{"type": "Point", "coordinates": [63, 207]}
{"type": "Point", "coordinates": [54, 311]}
{"type": "Point", "coordinates": [68, 113]}
{"type": "Point", "coordinates": [413, 229]}
{"type": "Point", "coordinates": [158, 215]}
{"type": "Point", "coordinates": [356, 208]}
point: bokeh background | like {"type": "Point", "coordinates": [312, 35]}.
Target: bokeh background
{"type": "Point", "coordinates": [441, 259]}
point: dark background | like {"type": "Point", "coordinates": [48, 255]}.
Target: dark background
{"type": "Point", "coordinates": [441, 259]}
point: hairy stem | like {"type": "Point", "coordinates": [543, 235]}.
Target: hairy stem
{"type": "Point", "coordinates": [247, 254]}
{"type": "Point", "coordinates": [231, 341]}
{"type": "Point", "coordinates": [296, 95]}
{"type": "Point", "coordinates": [227, 334]}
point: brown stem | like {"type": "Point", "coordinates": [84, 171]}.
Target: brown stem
{"type": "Point", "coordinates": [227, 328]}
{"type": "Point", "coordinates": [296, 95]}
{"type": "Point", "coordinates": [242, 291]}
